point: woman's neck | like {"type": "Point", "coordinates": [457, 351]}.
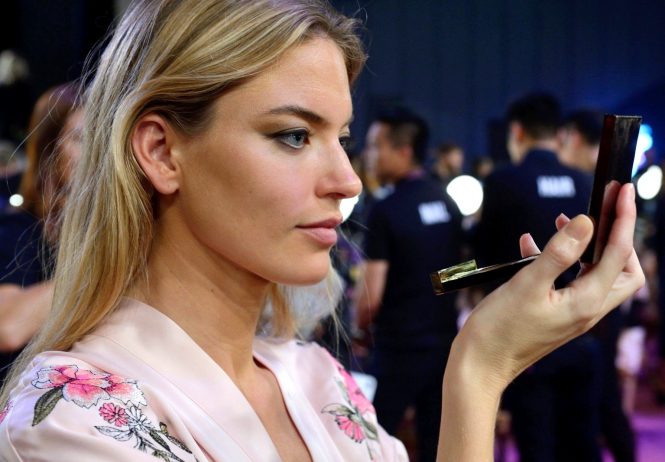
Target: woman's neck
{"type": "Point", "coordinates": [216, 303]}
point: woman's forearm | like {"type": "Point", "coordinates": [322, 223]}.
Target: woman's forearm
{"type": "Point", "coordinates": [470, 405]}
{"type": "Point", "coordinates": [22, 312]}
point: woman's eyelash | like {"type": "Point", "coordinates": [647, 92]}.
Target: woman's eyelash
{"type": "Point", "coordinates": [295, 139]}
{"type": "Point", "coordinates": [347, 143]}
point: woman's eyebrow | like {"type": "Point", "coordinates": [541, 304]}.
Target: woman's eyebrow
{"type": "Point", "coordinates": [304, 113]}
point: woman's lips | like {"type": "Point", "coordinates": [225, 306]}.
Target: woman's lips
{"type": "Point", "coordinates": [323, 231]}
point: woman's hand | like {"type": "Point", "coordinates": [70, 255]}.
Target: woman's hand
{"type": "Point", "coordinates": [526, 318]}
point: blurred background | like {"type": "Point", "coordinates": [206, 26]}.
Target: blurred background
{"type": "Point", "coordinates": [457, 63]}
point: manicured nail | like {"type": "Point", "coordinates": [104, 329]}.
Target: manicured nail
{"type": "Point", "coordinates": [631, 188]}
{"type": "Point", "coordinates": [576, 228]}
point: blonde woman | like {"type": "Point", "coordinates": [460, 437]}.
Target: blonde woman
{"type": "Point", "coordinates": [210, 186]}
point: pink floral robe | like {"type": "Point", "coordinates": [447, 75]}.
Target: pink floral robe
{"type": "Point", "coordinates": [140, 389]}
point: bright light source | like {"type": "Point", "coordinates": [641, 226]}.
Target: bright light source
{"type": "Point", "coordinates": [346, 206]}
{"type": "Point", "coordinates": [467, 192]}
{"type": "Point", "coordinates": [16, 200]}
{"type": "Point", "coordinates": [644, 143]}
{"type": "Point", "coordinates": [650, 182]}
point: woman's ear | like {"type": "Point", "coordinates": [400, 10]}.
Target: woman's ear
{"type": "Point", "coordinates": [152, 141]}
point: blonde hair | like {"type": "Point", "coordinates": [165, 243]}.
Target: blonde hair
{"type": "Point", "coordinates": [175, 58]}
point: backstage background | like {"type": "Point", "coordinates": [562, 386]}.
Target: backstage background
{"type": "Point", "coordinates": [457, 62]}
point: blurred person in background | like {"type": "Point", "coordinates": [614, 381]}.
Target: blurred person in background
{"type": "Point", "coordinates": [658, 243]}
{"type": "Point", "coordinates": [554, 404]}
{"type": "Point", "coordinates": [448, 162]}
{"type": "Point", "coordinates": [482, 166]}
{"type": "Point", "coordinates": [28, 231]}
{"type": "Point", "coordinates": [580, 142]}
{"type": "Point", "coordinates": [413, 231]}
{"type": "Point", "coordinates": [580, 139]}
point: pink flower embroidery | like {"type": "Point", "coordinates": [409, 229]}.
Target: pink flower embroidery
{"type": "Point", "coordinates": [5, 411]}
{"type": "Point", "coordinates": [354, 417]}
{"type": "Point", "coordinates": [356, 395]}
{"type": "Point", "coordinates": [351, 427]}
{"type": "Point", "coordinates": [85, 388]}
{"type": "Point", "coordinates": [113, 414]}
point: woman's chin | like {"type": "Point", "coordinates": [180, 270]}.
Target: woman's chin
{"type": "Point", "coordinates": [305, 275]}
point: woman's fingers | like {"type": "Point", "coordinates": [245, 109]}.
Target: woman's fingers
{"type": "Point", "coordinates": [560, 253]}
{"type": "Point", "coordinates": [618, 273]}
{"type": "Point", "coordinates": [528, 246]}
{"type": "Point", "coordinates": [561, 221]}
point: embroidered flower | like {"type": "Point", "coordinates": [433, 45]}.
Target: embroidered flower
{"type": "Point", "coordinates": [136, 425]}
{"type": "Point", "coordinates": [137, 421]}
{"type": "Point", "coordinates": [85, 388]}
{"type": "Point", "coordinates": [5, 411]}
{"type": "Point", "coordinates": [349, 422]}
{"type": "Point", "coordinates": [82, 387]}
{"type": "Point", "coordinates": [354, 392]}
{"type": "Point", "coordinates": [113, 414]}
{"type": "Point", "coordinates": [354, 417]}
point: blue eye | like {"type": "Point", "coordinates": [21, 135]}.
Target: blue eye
{"type": "Point", "coordinates": [346, 142]}
{"type": "Point", "coordinates": [294, 139]}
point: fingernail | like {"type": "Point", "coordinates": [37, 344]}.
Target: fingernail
{"type": "Point", "coordinates": [631, 189]}
{"type": "Point", "coordinates": [576, 229]}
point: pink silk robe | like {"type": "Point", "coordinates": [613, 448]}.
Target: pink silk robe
{"type": "Point", "coordinates": [140, 389]}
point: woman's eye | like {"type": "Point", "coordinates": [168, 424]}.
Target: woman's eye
{"type": "Point", "coordinates": [346, 142]}
{"type": "Point", "coordinates": [295, 139]}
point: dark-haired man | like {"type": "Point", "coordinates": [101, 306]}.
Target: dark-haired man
{"type": "Point", "coordinates": [527, 195]}
{"type": "Point", "coordinates": [580, 139]}
{"type": "Point", "coordinates": [410, 233]}
{"type": "Point", "coordinates": [554, 404]}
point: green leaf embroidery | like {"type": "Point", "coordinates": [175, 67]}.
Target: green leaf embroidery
{"type": "Point", "coordinates": [161, 455]}
{"type": "Point", "coordinates": [178, 443]}
{"type": "Point", "coordinates": [371, 431]}
{"type": "Point", "coordinates": [159, 439]}
{"type": "Point", "coordinates": [46, 403]}
{"type": "Point", "coordinates": [173, 439]}
{"type": "Point", "coordinates": [115, 433]}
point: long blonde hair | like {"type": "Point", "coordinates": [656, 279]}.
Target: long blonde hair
{"type": "Point", "coordinates": [173, 57]}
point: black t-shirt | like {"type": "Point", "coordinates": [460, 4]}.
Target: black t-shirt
{"type": "Point", "coordinates": [417, 229]}
{"type": "Point", "coordinates": [527, 198]}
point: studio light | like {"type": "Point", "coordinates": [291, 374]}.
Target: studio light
{"type": "Point", "coordinates": [467, 192]}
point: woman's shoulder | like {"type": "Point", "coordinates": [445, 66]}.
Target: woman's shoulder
{"type": "Point", "coordinates": [62, 402]}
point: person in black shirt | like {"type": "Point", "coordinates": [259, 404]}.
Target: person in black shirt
{"type": "Point", "coordinates": [580, 135]}
{"type": "Point", "coordinates": [554, 404]}
{"type": "Point", "coordinates": [413, 231]}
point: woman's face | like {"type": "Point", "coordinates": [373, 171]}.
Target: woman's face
{"type": "Point", "coordinates": [261, 187]}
